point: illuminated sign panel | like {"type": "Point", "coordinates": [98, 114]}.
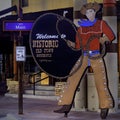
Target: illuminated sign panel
{"type": "Point", "coordinates": [17, 25]}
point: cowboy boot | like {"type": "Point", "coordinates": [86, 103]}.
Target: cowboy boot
{"type": "Point", "coordinates": [104, 113]}
{"type": "Point", "coordinates": [64, 109]}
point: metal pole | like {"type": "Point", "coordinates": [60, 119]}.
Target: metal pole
{"type": "Point", "coordinates": [34, 85]}
{"type": "Point", "coordinates": [20, 94]}
{"type": "Point", "coordinates": [20, 64]}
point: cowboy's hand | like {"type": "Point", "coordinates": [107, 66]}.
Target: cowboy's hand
{"type": "Point", "coordinates": [103, 39]}
{"type": "Point", "coordinates": [70, 44]}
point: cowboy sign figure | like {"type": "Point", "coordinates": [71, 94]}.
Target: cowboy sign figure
{"type": "Point", "coordinates": [93, 33]}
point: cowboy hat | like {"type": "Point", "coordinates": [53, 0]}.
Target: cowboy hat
{"type": "Point", "coordinates": [87, 6]}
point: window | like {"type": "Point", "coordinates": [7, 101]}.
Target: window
{"type": "Point", "coordinates": [24, 3]}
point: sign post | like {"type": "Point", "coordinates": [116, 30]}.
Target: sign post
{"type": "Point", "coordinates": [20, 66]}
{"type": "Point", "coordinates": [20, 52]}
{"type": "Point", "coordinates": [19, 59]}
{"type": "Point", "coordinates": [19, 25]}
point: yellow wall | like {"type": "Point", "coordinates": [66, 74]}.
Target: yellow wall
{"type": "Point", "coordinates": [99, 1]}
{"type": "Point", "coordinates": [42, 5]}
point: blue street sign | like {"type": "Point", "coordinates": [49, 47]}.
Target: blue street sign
{"type": "Point", "coordinates": [17, 25]}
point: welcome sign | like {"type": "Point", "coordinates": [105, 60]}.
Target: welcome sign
{"type": "Point", "coordinates": [49, 49]}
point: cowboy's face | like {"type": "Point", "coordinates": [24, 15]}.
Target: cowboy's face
{"type": "Point", "coordinates": [90, 14]}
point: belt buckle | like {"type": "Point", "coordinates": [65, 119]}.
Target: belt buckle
{"type": "Point", "coordinates": [90, 52]}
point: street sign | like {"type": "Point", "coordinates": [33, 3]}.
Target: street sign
{"type": "Point", "coordinates": [49, 48]}
{"type": "Point", "coordinates": [20, 53]}
{"type": "Point", "coordinates": [17, 25]}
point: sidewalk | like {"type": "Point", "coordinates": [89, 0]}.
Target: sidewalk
{"type": "Point", "coordinates": [35, 108]}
